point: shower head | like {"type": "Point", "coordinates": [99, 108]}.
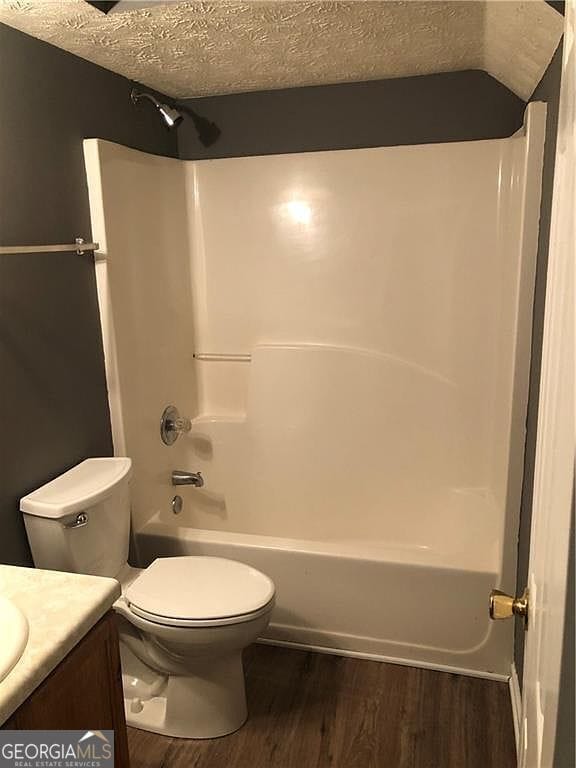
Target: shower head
{"type": "Point", "coordinates": [208, 132]}
{"type": "Point", "coordinates": [171, 116]}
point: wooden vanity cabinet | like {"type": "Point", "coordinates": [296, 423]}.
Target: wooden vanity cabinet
{"type": "Point", "coordinates": [84, 692]}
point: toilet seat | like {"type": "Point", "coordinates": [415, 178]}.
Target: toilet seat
{"type": "Point", "coordinates": [198, 591]}
{"type": "Point", "coordinates": [166, 621]}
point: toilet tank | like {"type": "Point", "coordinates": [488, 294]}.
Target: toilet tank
{"type": "Point", "coordinates": [80, 522]}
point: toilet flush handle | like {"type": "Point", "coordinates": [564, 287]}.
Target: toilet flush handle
{"type": "Point", "coordinates": [79, 521]}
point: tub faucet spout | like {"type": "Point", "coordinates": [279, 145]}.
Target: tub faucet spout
{"type": "Point", "coordinates": [181, 477]}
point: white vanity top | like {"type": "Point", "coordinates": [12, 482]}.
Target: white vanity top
{"type": "Point", "coordinates": [61, 608]}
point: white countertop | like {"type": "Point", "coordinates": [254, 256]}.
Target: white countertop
{"type": "Point", "coordinates": [61, 608]}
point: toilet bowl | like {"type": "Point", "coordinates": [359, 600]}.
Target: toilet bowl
{"type": "Point", "coordinates": [183, 621]}
{"type": "Point", "coordinates": [181, 651]}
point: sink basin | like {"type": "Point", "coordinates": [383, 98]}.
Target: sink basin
{"type": "Point", "coordinates": [14, 634]}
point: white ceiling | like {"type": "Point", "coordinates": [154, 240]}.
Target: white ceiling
{"type": "Point", "coordinates": [198, 48]}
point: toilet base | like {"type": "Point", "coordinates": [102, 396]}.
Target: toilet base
{"type": "Point", "coordinates": [205, 704]}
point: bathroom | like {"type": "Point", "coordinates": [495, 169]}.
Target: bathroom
{"type": "Point", "coordinates": [301, 353]}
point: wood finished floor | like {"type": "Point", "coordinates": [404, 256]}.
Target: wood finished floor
{"type": "Point", "coordinates": [310, 710]}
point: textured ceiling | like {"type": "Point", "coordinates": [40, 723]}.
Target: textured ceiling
{"type": "Point", "coordinates": [198, 48]}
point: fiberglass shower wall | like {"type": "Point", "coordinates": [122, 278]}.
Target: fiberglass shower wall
{"type": "Point", "coordinates": [349, 331]}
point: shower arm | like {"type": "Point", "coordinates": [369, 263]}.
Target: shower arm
{"type": "Point", "coordinates": [135, 97]}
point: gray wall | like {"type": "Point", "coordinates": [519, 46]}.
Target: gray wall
{"type": "Point", "coordinates": [53, 404]}
{"type": "Point", "coordinates": [454, 106]}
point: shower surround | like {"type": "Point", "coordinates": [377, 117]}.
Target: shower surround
{"type": "Point", "coordinates": [350, 333]}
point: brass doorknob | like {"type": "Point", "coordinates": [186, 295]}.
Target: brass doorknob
{"type": "Point", "coordinates": [503, 606]}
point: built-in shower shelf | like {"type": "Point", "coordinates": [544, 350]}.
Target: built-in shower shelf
{"type": "Point", "coordinates": [211, 418]}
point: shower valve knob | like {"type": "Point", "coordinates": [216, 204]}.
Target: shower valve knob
{"type": "Point", "coordinates": [172, 425]}
{"type": "Point", "coordinates": [181, 425]}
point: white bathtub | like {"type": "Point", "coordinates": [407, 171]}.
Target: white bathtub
{"type": "Point", "coordinates": [397, 604]}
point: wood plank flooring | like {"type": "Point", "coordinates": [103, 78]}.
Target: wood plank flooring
{"type": "Point", "coordinates": [310, 710]}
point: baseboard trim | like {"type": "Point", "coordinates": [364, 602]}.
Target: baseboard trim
{"type": "Point", "coordinates": [386, 659]}
{"type": "Point", "coordinates": [516, 701]}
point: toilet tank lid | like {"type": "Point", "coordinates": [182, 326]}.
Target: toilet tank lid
{"type": "Point", "coordinates": [81, 487]}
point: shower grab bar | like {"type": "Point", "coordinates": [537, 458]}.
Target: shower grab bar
{"type": "Point", "coordinates": [79, 246]}
{"type": "Point", "coordinates": [222, 358]}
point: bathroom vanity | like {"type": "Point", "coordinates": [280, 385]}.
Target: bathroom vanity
{"type": "Point", "coordinates": [68, 675]}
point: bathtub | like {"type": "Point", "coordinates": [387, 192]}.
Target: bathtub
{"type": "Point", "coordinates": [400, 604]}
{"type": "Point", "coordinates": [357, 386]}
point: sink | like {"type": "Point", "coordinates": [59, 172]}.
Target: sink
{"type": "Point", "coordinates": [14, 634]}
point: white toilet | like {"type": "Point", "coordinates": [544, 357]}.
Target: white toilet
{"type": "Point", "coordinates": [184, 621]}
